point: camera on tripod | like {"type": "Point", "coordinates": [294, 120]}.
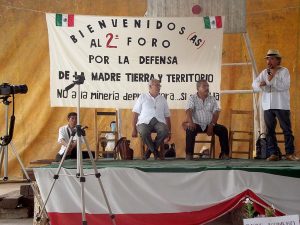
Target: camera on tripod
{"type": "Point", "coordinates": [79, 79]}
{"type": "Point", "coordinates": [7, 89]}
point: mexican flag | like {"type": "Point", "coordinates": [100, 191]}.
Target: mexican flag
{"type": "Point", "coordinates": [212, 22]}
{"type": "Point", "coordinates": [64, 20]}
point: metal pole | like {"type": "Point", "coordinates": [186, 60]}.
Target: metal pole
{"type": "Point", "coordinates": [5, 174]}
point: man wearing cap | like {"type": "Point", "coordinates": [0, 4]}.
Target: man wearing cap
{"type": "Point", "coordinates": [274, 82]}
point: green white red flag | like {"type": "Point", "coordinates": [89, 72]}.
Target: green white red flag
{"type": "Point", "coordinates": [64, 20]}
{"type": "Point", "coordinates": [212, 22]}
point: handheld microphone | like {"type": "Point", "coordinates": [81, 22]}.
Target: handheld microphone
{"type": "Point", "coordinates": [269, 71]}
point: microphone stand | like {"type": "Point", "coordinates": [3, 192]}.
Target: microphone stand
{"type": "Point", "coordinates": [80, 135]}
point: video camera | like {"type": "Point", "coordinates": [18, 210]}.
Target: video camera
{"type": "Point", "coordinates": [7, 89]}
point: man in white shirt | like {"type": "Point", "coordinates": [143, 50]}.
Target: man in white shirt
{"type": "Point", "coordinates": [64, 135]}
{"type": "Point", "coordinates": [274, 82]}
{"type": "Point", "coordinates": [202, 114]}
{"type": "Point", "coordinates": [151, 114]}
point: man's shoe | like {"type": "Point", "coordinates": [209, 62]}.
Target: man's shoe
{"type": "Point", "coordinates": [292, 157]}
{"type": "Point", "coordinates": [224, 156]}
{"type": "Point", "coordinates": [156, 154]}
{"type": "Point", "coordinates": [273, 158]}
{"type": "Point", "coordinates": [147, 154]}
{"type": "Point", "coordinates": [189, 157]}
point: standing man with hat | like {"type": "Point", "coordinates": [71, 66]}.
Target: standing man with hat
{"type": "Point", "coordinates": [274, 82]}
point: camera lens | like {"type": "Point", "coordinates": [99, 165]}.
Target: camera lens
{"type": "Point", "coordinates": [20, 89]}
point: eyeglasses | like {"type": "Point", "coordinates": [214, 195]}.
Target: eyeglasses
{"type": "Point", "coordinates": [157, 85]}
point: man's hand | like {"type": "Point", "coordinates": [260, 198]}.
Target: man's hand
{"type": "Point", "coordinates": [190, 126]}
{"type": "Point", "coordinates": [71, 147]}
{"type": "Point", "coordinates": [168, 138]}
{"type": "Point", "coordinates": [263, 83]}
{"type": "Point", "coordinates": [134, 132]}
{"type": "Point", "coordinates": [270, 76]}
{"type": "Point", "coordinates": [210, 130]}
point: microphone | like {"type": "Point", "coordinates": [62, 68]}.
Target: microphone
{"type": "Point", "coordinates": [269, 71]}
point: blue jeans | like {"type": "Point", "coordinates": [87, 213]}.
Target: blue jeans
{"type": "Point", "coordinates": [154, 126]}
{"type": "Point", "coordinates": [283, 117]}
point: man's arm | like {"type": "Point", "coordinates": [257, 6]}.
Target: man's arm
{"type": "Point", "coordinates": [168, 121]}
{"type": "Point", "coordinates": [134, 122]}
{"type": "Point", "coordinates": [63, 140]}
{"type": "Point", "coordinates": [189, 120]}
{"type": "Point", "coordinates": [280, 84]}
{"type": "Point", "coordinates": [215, 117]}
{"type": "Point", "coordinates": [214, 120]}
{"type": "Point", "coordinates": [259, 83]}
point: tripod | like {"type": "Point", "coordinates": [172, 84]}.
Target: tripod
{"type": "Point", "coordinates": [6, 140]}
{"type": "Point", "coordinates": [80, 135]}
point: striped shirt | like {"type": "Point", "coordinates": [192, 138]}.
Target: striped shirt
{"type": "Point", "coordinates": [202, 111]}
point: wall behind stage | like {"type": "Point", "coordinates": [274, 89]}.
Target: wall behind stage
{"type": "Point", "coordinates": [24, 59]}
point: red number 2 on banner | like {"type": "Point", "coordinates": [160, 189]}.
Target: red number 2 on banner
{"type": "Point", "coordinates": [110, 37]}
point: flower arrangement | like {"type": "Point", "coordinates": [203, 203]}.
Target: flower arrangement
{"type": "Point", "coordinates": [249, 211]}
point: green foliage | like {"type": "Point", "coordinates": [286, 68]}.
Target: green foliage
{"type": "Point", "coordinates": [248, 209]}
{"type": "Point", "coordinates": [270, 211]}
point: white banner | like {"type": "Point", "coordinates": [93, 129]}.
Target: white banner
{"type": "Point", "coordinates": [281, 220]}
{"type": "Point", "coordinates": [119, 55]}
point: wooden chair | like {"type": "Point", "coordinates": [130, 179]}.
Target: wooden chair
{"type": "Point", "coordinates": [241, 133]}
{"type": "Point", "coordinates": [101, 141]}
{"type": "Point", "coordinates": [205, 139]}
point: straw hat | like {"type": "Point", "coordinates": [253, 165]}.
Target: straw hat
{"type": "Point", "coordinates": [273, 52]}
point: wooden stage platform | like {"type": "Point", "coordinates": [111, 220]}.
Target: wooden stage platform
{"type": "Point", "coordinates": [176, 191]}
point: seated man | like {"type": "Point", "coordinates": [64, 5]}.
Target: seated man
{"type": "Point", "coordinates": [151, 114]}
{"type": "Point", "coordinates": [64, 135]}
{"type": "Point", "coordinates": [202, 113]}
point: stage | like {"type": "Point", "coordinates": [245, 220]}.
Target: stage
{"type": "Point", "coordinates": [169, 191]}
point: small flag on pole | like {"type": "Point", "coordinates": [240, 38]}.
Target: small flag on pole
{"type": "Point", "coordinates": [212, 22]}
{"type": "Point", "coordinates": [64, 20]}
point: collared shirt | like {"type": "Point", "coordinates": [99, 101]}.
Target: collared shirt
{"type": "Point", "coordinates": [65, 133]}
{"type": "Point", "coordinates": [148, 107]}
{"type": "Point", "coordinates": [202, 110]}
{"type": "Point", "coordinates": [276, 94]}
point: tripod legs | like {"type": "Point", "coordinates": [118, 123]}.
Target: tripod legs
{"type": "Point", "coordinates": [4, 157]}
{"type": "Point", "coordinates": [97, 175]}
{"type": "Point", "coordinates": [80, 174]}
{"type": "Point", "coordinates": [35, 191]}
{"type": "Point", "coordinates": [55, 177]}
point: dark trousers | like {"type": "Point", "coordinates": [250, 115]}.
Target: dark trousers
{"type": "Point", "coordinates": [283, 117]}
{"type": "Point", "coordinates": [73, 155]}
{"type": "Point", "coordinates": [220, 130]}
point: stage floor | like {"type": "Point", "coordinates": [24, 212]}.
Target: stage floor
{"type": "Point", "coordinates": [282, 167]}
